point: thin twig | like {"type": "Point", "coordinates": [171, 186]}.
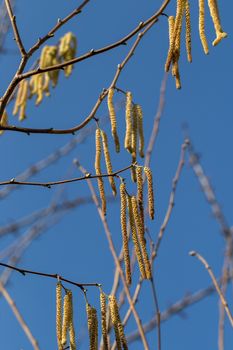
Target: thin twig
{"type": "Point", "coordinates": [221, 322]}
{"type": "Point", "coordinates": [19, 317]}
{"type": "Point", "coordinates": [55, 275]}
{"type": "Point", "coordinates": [222, 298]}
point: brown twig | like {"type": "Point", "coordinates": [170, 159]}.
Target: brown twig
{"type": "Point", "coordinates": [221, 322]}
{"type": "Point", "coordinates": [53, 183]}
{"type": "Point", "coordinates": [222, 298]}
{"type": "Point", "coordinates": [15, 29]}
{"type": "Point", "coordinates": [55, 275]}
{"type": "Point", "coordinates": [19, 317]}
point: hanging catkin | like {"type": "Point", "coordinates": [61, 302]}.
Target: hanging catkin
{"type": "Point", "coordinates": [220, 34]}
{"type": "Point", "coordinates": [128, 121]}
{"type": "Point", "coordinates": [149, 177]}
{"type": "Point", "coordinates": [135, 238]}
{"type": "Point", "coordinates": [134, 141]}
{"type": "Point", "coordinates": [140, 193]}
{"type": "Point", "coordinates": [188, 31]}
{"type": "Point", "coordinates": [112, 116]}
{"type": "Point", "coordinates": [67, 315]}
{"type": "Point", "coordinates": [98, 170]}
{"type": "Point", "coordinates": [59, 315]}
{"type": "Point", "coordinates": [122, 336]}
{"type": "Point", "coordinates": [4, 121]}
{"type": "Point", "coordinates": [21, 100]}
{"type": "Point", "coordinates": [138, 110]}
{"type": "Point", "coordinates": [104, 320]}
{"type": "Point", "coordinates": [124, 233]}
{"type": "Point", "coordinates": [71, 327]}
{"type": "Point", "coordinates": [142, 241]}
{"type": "Point", "coordinates": [92, 323]}
{"type": "Point", "coordinates": [202, 26]}
{"type": "Point", "coordinates": [108, 161]}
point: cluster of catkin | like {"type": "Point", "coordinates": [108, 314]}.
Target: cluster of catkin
{"type": "Point", "coordinates": [175, 28]}
{"type": "Point", "coordinates": [135, 206]}
{"type": "Point", "coordinates": [39, 83]}
{"type": "Point", "coordinates": [134, 126]}
{"type": "Point", "coordinates": [64, 319]}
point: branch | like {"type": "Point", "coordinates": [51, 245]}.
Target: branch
{"type": "Point", "coordinates": [53, 183]}
{"type": "Point", "coordinates": [222, 298]}
{"type": "Point", "coordinates": [56, 276]}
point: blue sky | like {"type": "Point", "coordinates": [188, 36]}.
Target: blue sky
{"type": "Point", "coordinates": [76, 246]}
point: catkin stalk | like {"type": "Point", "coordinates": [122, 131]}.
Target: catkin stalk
{"type": "Point", "coordinates": [220, 34]}
{"type": "Point", "coordinates": [104, 320]}
{"type": "Point", "coordinates": [98, 169]}
{"type": "Point", "coordinates": [112, 116]}
{"type": "Point", "coordinates": [135, 238]}
{"type": "Point", "coordinates": [188, 31]}
{"type": "Point", "coordinates": [124, 233]}
{"type": "Point", "coordinates": [128, 121]}
{"type": "Point", "coordinates": [108, 161]}
{"type": "Point", "coordinates": [141, 238]}
{"type": "Point", "coordinates": [149, 177]}
{"type": "Point", "coordinates": [59, 315]}
{"type": "Point", "coordinates": [202, 26]}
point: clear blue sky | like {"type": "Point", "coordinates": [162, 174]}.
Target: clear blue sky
{"type": "Point", "coordinates": [76, 246]}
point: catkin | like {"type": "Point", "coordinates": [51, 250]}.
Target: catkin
{"type": "Point", "coordinates": [138, 111]}
{"type": "Point", "coordinates": [188, 31]}
{"type": "Point", "coordinates": [134, 132]}
{"type": "Point", "coordinates": [98, 169]}
{"type": "Point", "coordinates": [149, 177]}
{"type": "Point", "coordinates": [142, 241]}
{"type": "Point", "coordinates": [92, 323]}
{"type": "Point", "coordinates": [71, 327]}
{"type": "Point", "coordinates": [128, 121]}
{"type": "Point", "coordinates": [122, 336]}
{"type": "Point", "coordinates": [59, 315]}
{"type": "Point", "coordinates": [140, 193]}
{"type": "Point", "coordinates": [4, 121]}
{"type": "Point", "coordinates": [176, 52]}
{"type": "Point", "coordinates": [67, 50]}
{"type": "Point", "coordinates": [21, 100]}
{"type": "Point", "coordinates": [104, 320]}
{"type": "Point", "coordinates": [135, 238]}
{"type": "Point", "coordinates": [202, 26]}
{"type": "Point", "coordinates": [108, 161]}
{"type": "Point", "coordinates": [176, 36]}
{"type": "Point", "coordinates": [220, 34]}
{"type": "Point", "coordinates": [124, 233]}
{"type": "Point", "coordinates": [67, 315]}
{"type": "Point", "coordinates": [115, 318]}
{"type": "Point", "coordinates": [112, 116]}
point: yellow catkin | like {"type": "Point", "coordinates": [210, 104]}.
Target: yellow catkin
{"type": "Point", "coordinates": [134, 131]}
{"type": "Point", "coordinates": [135, 238]}
{"type": "Point", "coordinates": [67, 50]}
{"type": "Point", "coordinates": [67, 316]}
{"type": "Point", "coordinates": [92, 323]}
{"type": "Point", "coordinates": [59, 315]}
{"type": "Point", "coordinates": [220, 34]}
{"type": "Point", "coordinates": [104, 320]}
{"type": "Point", "coordinates": [112, 116]}
{"type": "Point", "coordinates": [142, 241]}
{"type": "Point", "coordinates": [122, 336]}
{"type": "Point", "coordinates": [175, 37]}
{"type": "Point", "coordinates": [124, 233]}
{"type": "Point", "coordinates": [72, 336]}
{"type": "Point", "coordinates": [108, 161]}
{"type": "Point", "coordinates": [138, 110]}
{"type": "Point", "coordinates": [115, 318]}
{"type": "Point", "coordinates": [149, 177]}
{"type": "Point", "coordinates": [21, 100]}
{"type": "Point", "coordinates": [188, 31]}
{"type": "Point", "coordinates": [128, 121]}
{"type": "Point", "coordinates": [133, 171]}
{"type": "Point", "coordinates": [202, 26]}
{"type": "Point", "coordinates": [98, 169]}
{"type": "Point", "coordinates": [140, 193]}
{"type": "Point", "coordinates": [4, 121]}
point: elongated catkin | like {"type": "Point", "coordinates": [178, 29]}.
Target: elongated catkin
{"type": "Point", "coordinates": [71, 327]}
{"type": "Point", "coordinates": [140, 193]}
{"type": "Point", "coordinates": [214, 12]}
{"type": "Point", "coordinates": [67, 315]}
{"type": "Point", "coordinates": [115, 318]}
{"type": "Point", "coordinates": [124, 233]}
{"type": "Point", "coordinates": [149, 177]}
{"type": "Point", "coordinates": [128, 121]}
{"type": "Point", "coordinates": [112, 116]}
{"type": "Point", "coordinates": [92, 323]}
{"type": "Point", "coordinates": [59, 315]}
{"type": "Point", "coordinates": [104, 320]}
{"type": "Point", "coordinates": [202, 26]}
{"type": "Point", "coordinates": [122, 336]}
{"type": "Point", "coordinates": [188, 31]}
{"type": "Point", "coordinates": [141, 238]}
{"type": "Point", "coordinates": [135, 238]}
{"type": "Point", "coordinates": [134, 131]}
{"type": "Point", "coordinates": [108, 161]}
{"type": "Point", "coordinates": [98, 169]}
{"type": "Point", "coordinates": [4, 121]}
{"type": "Point", "coordinates": [138, 111]}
